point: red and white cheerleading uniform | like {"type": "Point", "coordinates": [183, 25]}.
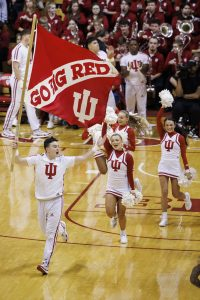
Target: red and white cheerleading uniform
{"type": "Point", "coordinates": [129, 142]}
{"type": "Point", "coordinates": [49, 184]}
{"type": "Point", "coordinates": [120, 170]}
{"type": "Point", "coordinates": [172, 146]}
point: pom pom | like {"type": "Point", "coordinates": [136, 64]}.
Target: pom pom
{"type": "Point", "coordinates": [166, 98]}
{"type": "Point", "coordinates": [184, 181]}
{"type": "Point", "coordinates": [123, 134]}
{"type": "Point", "coordinates": [95, 132]}
{"type": "Point", "coordinates": [129, 199]}
{"type": "Point", "coordinates": [111, 117]}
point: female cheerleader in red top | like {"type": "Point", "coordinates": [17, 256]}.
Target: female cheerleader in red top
{"type": "Point", "coordinates": [120, 180]}
{"type": "Point", "coordinates": [172, 145]}
{"type": "Point", "coordinates": [122, 125]}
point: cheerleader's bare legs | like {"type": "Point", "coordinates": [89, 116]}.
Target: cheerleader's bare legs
{"type": "Point", "coordinates": [164, 180]}
{"type": "Point", "coordinates": [111, 203]}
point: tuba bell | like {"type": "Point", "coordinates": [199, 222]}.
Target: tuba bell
{"type": "Point", "coordinates": [166, 30]}
{"type": "Point", "coordinates": [185, 27]}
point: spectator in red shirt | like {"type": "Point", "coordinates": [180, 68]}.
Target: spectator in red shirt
{"type": "Point", "coordinates": [156, 68]}
{"type": "Point", "coordinates": [54, 21]}
{"type": "Point", "coordinates": [109, 7]}
{"type": "Point", "coordinates": [72, 32]}
{"type": "Point", "coordinates": [194, 4]}
{"type": "Point", "coordinates": [151, 13]}
{"type": "Point", "coordinates": [85, 5]}
{"type": "Point", "coordinates": [25, 18]}
{"type": "Point", "coordinates": [124, 14]}
{"type": "Point", "coordinates": [74, 13]}
{"type": "Point", "coordinates": [122, 31]}
{"type": "Point", "coordinates": [97, 14]}
{"type": "Point", "coordinates": [137, 7]}
{"type": "Point", "coordinates": [177, 56]}
{"type": "Point", "coordinates": [165, 6]}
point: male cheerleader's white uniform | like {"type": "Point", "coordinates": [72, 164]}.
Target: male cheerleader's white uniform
{"type": "Point", "coordinates": [169, 164]}
{"type": "Point", "coordinates": [19, 54]}
{"type": "Point", "coordinates": [135, 91]}
{"type": "Point", "coordinates": [49, 184]}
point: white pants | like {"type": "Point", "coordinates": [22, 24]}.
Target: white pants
{"type": "Point", "coordinates": [136, 95]}
{"type": "Point", "coordinates": [13, 109]}
{"type": "Point", "coordinates": [49, 215]}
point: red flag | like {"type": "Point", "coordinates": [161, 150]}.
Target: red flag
{"type": "Point", "coordinates": [69, 81]}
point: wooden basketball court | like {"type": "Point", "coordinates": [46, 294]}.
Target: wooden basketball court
{"type": "Point", "coordinates": [155, 264]}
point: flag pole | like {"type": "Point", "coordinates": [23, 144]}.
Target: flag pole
{"type": "Point", "coordinates": [24, 88]}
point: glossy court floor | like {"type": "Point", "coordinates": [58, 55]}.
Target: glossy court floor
{"type": "Point", "coordinates": [155, 265]}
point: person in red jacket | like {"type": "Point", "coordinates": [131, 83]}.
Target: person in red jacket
{"type": "Point", "coordinates": [173, 145]}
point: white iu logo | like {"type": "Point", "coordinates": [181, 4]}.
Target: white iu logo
{"type": "Point", "coordinates": [82, 116]}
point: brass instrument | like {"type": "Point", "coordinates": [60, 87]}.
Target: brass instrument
{"type": "Point", "coordinates": [151, 92]}
{"type": "Point", "coordinates": [166, 30]}
{"type": "Point", "coordinates": [185, 28]}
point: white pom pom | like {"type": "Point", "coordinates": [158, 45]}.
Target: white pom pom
{"type": "Point", "coordinates": [166, 98]}
{"type": "Point", "coordinates": [95, 132]}
{"type": "Point", "coordinates": [129, 199]}
{"type": "Point", "coordinates": [184, 181]}
{"type": "Point", "coordinates": [93, 129]}
{"type": "Point", "coordinates": [111, 117]}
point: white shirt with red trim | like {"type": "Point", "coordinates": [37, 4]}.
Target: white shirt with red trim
{"type": "Point", "coordinates": [19, 54]}
{"type": "Point", "coordinates": [133, 63]}
{"type": "Point", "coordinates": [49, 175]}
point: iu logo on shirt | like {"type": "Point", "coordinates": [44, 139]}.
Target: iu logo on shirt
{"type": "Point", "coordinates": [115, 164]}
{"type": "Point", "coordinates": [169, 145]}
{"type": "Point", "coordinates": [50, 170]}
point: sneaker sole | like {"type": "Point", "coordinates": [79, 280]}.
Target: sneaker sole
{"type": "Point", "coordinates": [7, 136]}
{"type": "Point", "coordinates": [43, 271]}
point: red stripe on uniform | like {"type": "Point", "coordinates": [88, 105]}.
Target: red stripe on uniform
{"type": "Point", "coordinates": [114, 193]}
{"type": "Point", "coordinates": [167, 174]}
{"type": "Point", "coordinates": [16, 52]}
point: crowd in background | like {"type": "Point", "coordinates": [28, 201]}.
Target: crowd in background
{"type": "Point", "coordinates": [168, 32]}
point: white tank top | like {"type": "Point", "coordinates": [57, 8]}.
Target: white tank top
{"type": "Point", "coordinates": [117, 172]}
{"type": "Point", "coordinates": [170, 147]}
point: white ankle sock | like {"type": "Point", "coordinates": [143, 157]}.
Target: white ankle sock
{"type": "Point", "coordinates": [164, 215]}
{"type": "Point", "coordinates": [123, 232]}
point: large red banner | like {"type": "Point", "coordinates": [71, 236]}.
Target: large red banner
{"type": "Point", "coordinates": [69, 81]}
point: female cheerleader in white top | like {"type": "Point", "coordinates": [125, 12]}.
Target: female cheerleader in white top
{"type": "Point", "coordinates": [172, 145]}
{"type": "Point", "coordinates": [120, 180]}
